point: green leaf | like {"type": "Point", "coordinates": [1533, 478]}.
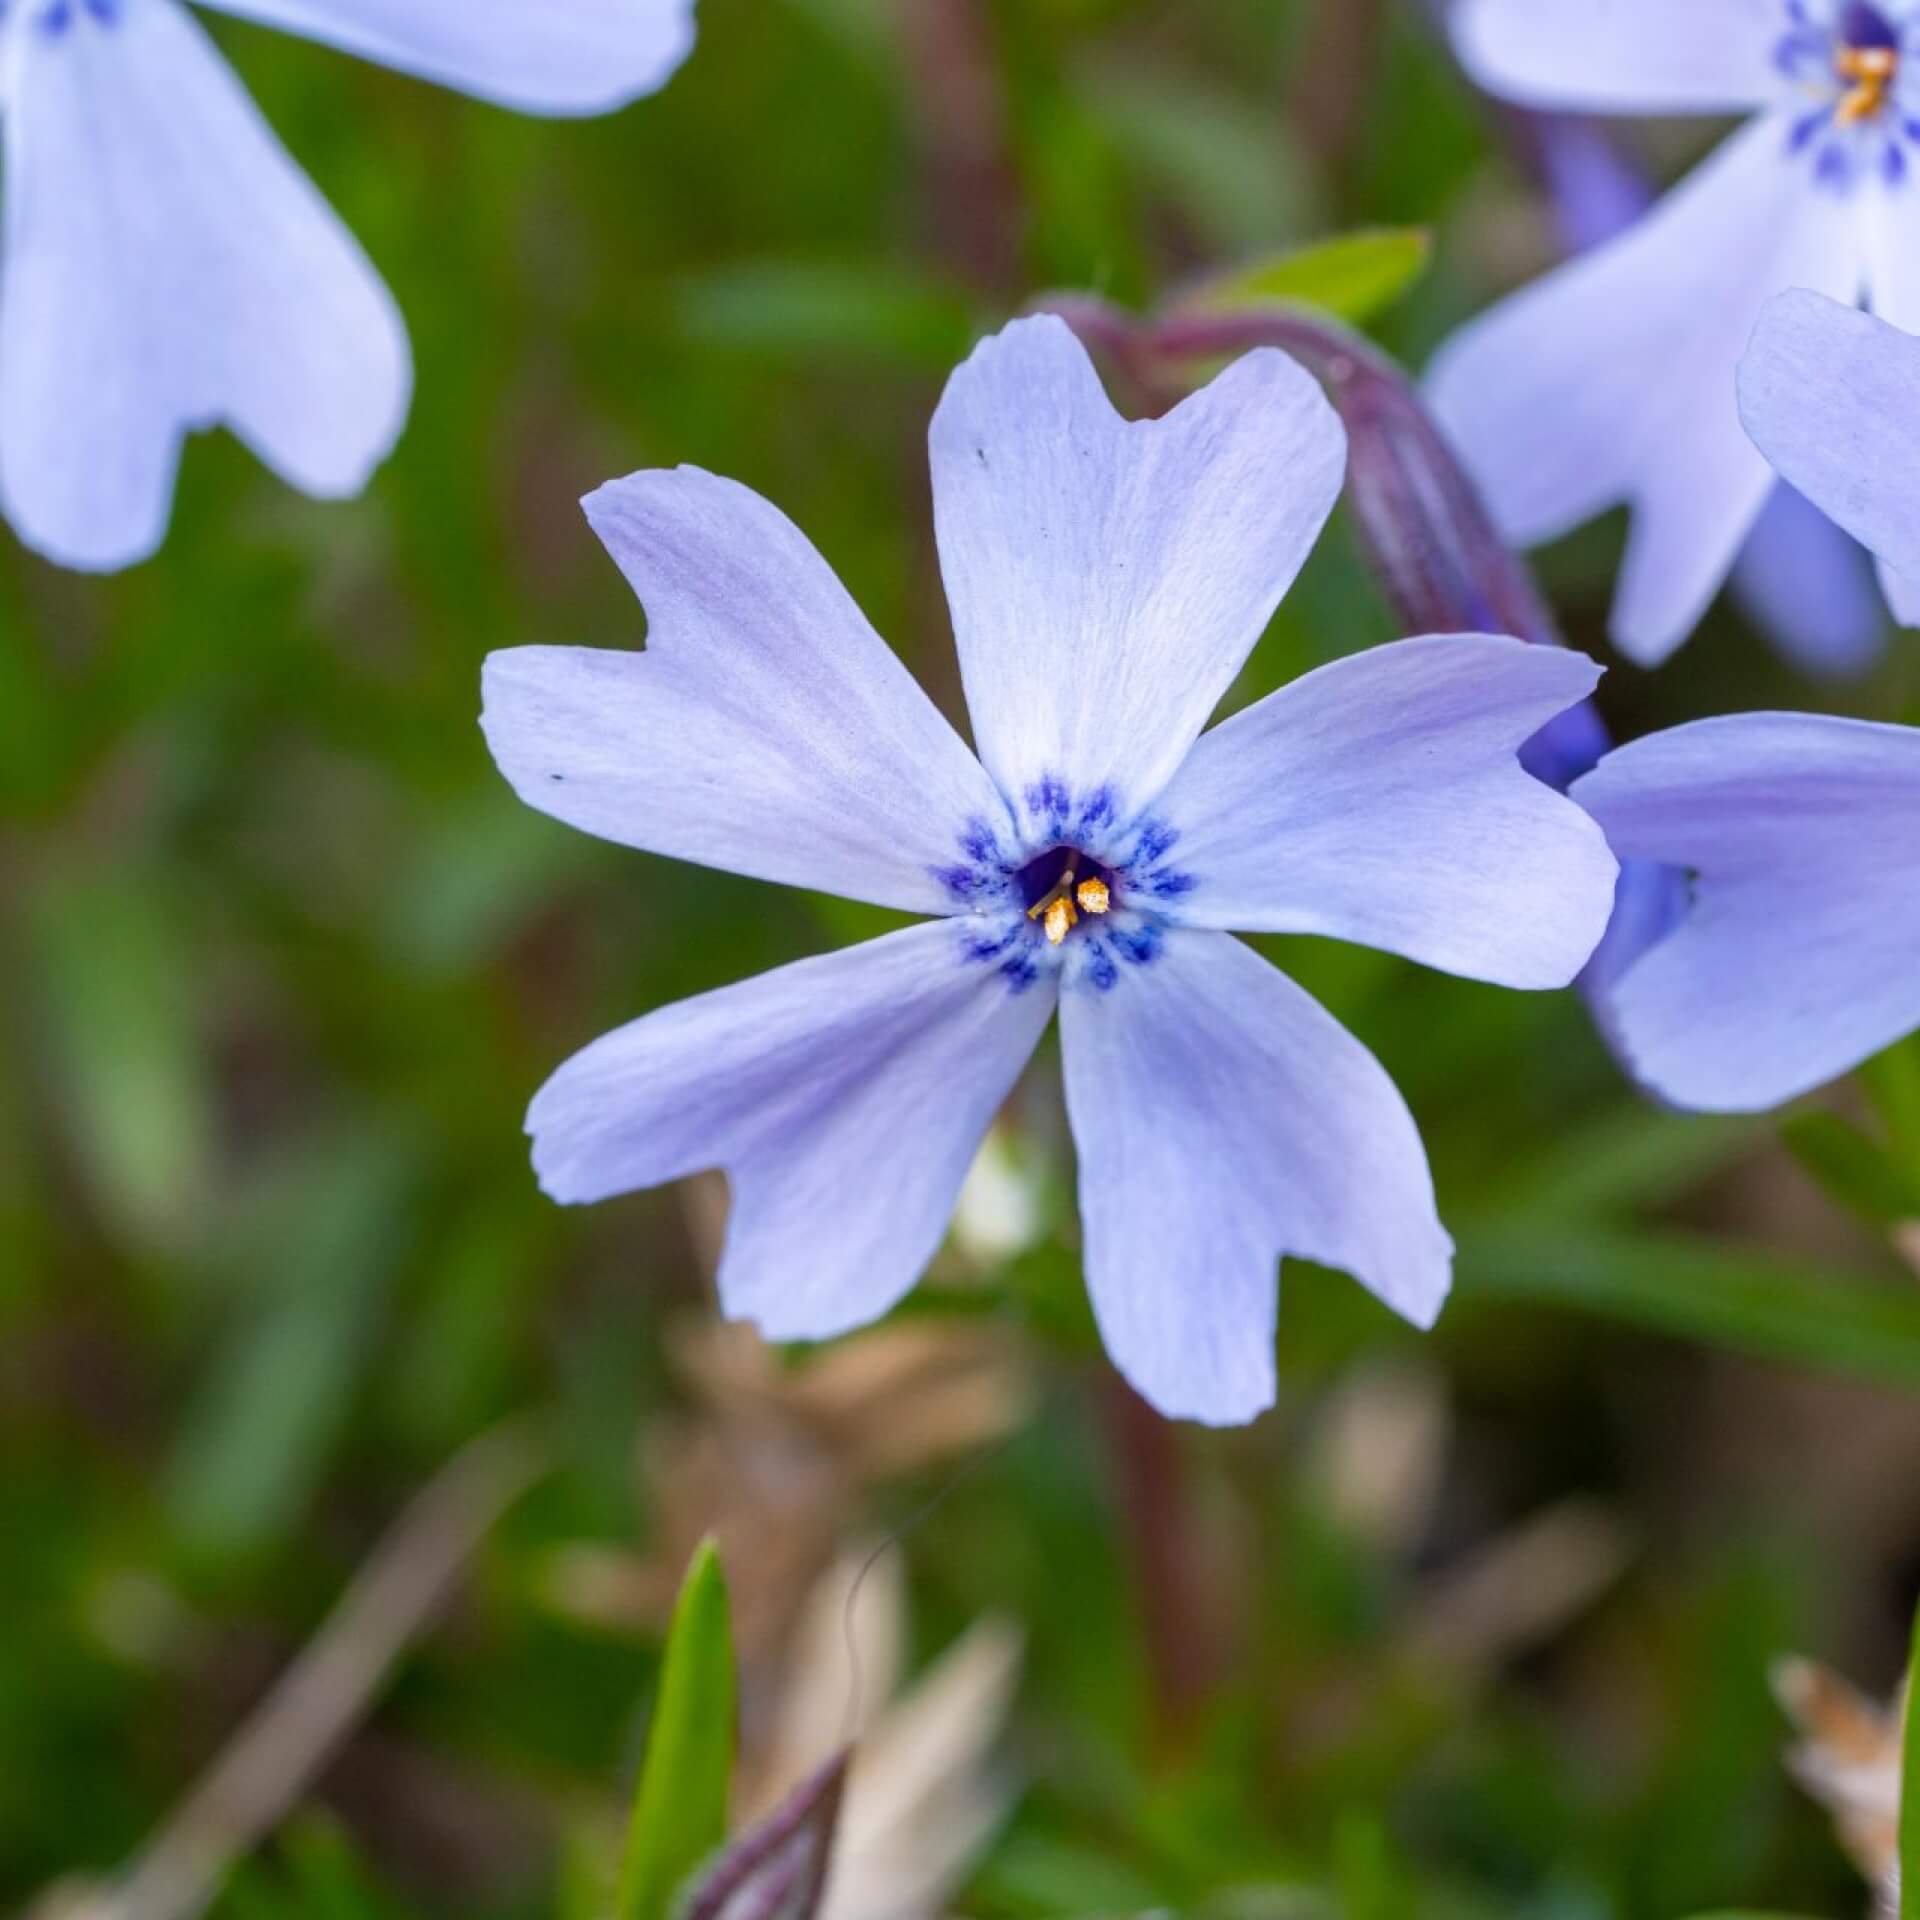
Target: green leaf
{"type": "Point", "coordinates": [1853, 1170]}
{"type": "Point", "coordinates": [680, 1813]}
{"type": "Point", "coordinates": [315, 1255]}
{"type": "Point", "coordinates": [1371, 1886]}
{"type": "Point", "coordinates": [1807, 1315]}
{"type": "Point", "coordinates": [1910, 1795]}
{"type": "Point", "coordinates": [1744, 1913]}
{"type": "Point", "coordinates": [1892, 1082]}
{"type": "Point", "coordinates": [1205, 149]}
{"type": "Point", "coordinates": [1353, 277]}
{"type": "Point", "coordinates": [820, 310]}
{"type": "Point", "coordinates": [120, 1017]}
{"type": "Point", "coordinates": [1628, 1160]}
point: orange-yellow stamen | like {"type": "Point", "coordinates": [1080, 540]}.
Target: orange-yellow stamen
{"type": "Point", "coordinates": [1870, 73]}
{"type": "Point", "coordinates": [1057, 910]}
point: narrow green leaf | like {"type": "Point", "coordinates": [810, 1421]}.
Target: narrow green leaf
{"type": "Point", "coordinates": [324, 1237]}
{"type": "Point", "coordinates": [1892, 1081]}
{"type": "Point", "coordinates": [1369, 1880]}
{"type": "Point", "coordinates": [1910, 1794]}
{"type": "Point", "coordinates": [680, 1813]}
{"type": "Point", "coordinates": [1742, 1298]}
{"type": "Point", "coordinates": [1630, 1159]}
{"type": "Point", "coordinates": [118, 1007]}
{"type": "Point", "coordinates": [1853, 1170]}
{"type": "Point", "coordinates": [826, 311]}
{"type": "Point", "coordinates": [1353, 277]}
{"type": "Point", "coordinates": [1744, 1913]}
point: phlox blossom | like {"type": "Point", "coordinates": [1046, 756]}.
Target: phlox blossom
{"type": "Point", "coordinates": [1790, 948]}
{"type": "Point", "coordinates": [1107, 580]}
{"type": "Point", "coordinates": [1611, 380]}
{"type": "Point", "coordinates": [168, 268]}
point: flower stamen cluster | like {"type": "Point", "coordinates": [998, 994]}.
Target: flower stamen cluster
{"type": "Point", "coordinates": [1059, 908]}
{"type": "Point", "coordinates": [1869, 74]}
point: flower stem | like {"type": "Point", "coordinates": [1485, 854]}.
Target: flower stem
{"type": "Point", "coordinates": [1180, 1625]}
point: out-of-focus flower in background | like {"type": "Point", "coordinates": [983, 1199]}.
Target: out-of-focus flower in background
{"type": "Point", "coordinates": [1793, 958]}
{"type": "Point", "coordinates": [1375, 1455]}
{"type": "Point", "coordinates": [169, 268]}
{"type": "Point", "coordinates": [773, 1462]}
{"type": "Point", "coordinates": [1848, 1757]}
{"type": "Point", "coordinates": [1612, 380]}
{"type": "Point", "coordinates": [1107, 581]}
{"type": "Point", "coordinates": [1788, 954]}
{"type": "Point", "coordinates": [923, 1792]}
{"type": "Point", "coordinates": [1831, 396]}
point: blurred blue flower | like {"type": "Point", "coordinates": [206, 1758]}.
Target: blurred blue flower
{"type": "Point", "coordinates": [1793, 949]}
{"type": "Point", "coordinates": [1107, 581]}
{"type": "Point", "coordinates": [1773, 938]}
{"type": "Point", "coordinates": [1611, 380]}
{"type": "Point", "coordinates": [168, 268]}
{"type": "Point", "coordinates": [1831, 397]}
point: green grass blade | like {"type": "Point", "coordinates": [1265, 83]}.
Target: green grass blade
{"type": "Point", "coordinates": [1748, 1300]}
{"type": "Point", "coordinates": [680, 1813]}
{"type": "Point", "coordinates": [1353, 277]}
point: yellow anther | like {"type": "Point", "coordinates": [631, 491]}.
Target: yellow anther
{"type": "Point", "coordinates": [1059, 891]}
{"type": "Point", "coordinates": [1870, 72]}
{"type": "Point", "coordinates": [1094, 897]}
{"type": "Point", "coordinates": [1060, 919]}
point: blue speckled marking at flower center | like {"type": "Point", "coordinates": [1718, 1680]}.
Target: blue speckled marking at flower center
{"type": "Point", "coordinates": [1086, 894]}
{"type": "Point", "coordinates": [1857, 64]}
{"type": "Point", "coordinates": [55, 19]}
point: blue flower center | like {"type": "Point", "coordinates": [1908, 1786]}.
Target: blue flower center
{"type": "Point", "coordinates": [1063, 885]}
{"type": "Point", "coordinates": [1850, 60]}
{"type": "Point", "coordinates": [1084, 893]}
{"type": "Point", "coordinates": [55, 19]}
{"type": "Point", "coordinates": [1867, 63]}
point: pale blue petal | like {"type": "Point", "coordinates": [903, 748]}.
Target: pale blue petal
{"type": "Point", "coordinates": [1624, 56]}
{"type": "Point", "coordinates": [1650, 903]}
{"type": "Point", "coordinates": [1223, 1120]}
{"type": "Point", "coordinates": [168, 268]}
{"type": "Point", "coordinates": [1832, 397]}
{"type": "Point", "coordinates": [767, 729]}
{"type": "Point", "coordinates": [1902, 592]}
{"type": "Point", "coordinates": [1797, 956]}
{"type": "Point", "coordinates": [1808, 586]}
{"type": "Point", "coordinates": [1612, 380]}
{"type": "Point", "coordinates": [1890, 216]}
{"type": "Point", "coordinates": [1570, 744]}
{"type": "Point", "coordinates": [845, 1098]}
{"type": "Point", "coordinates": [1381, 800]}
{"type": "Point", "coordinates": [1108, 579]}
{"type": "Point", "coordinates": [1596, 193]}
{"type": "Point", "coordinates": [542, 56]}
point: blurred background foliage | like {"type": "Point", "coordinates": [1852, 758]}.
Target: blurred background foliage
{"type": "Point", "coordinates": [1474, 1624]}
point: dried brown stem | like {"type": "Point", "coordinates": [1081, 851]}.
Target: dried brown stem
{"type": "Point", "coordinates": [1179, 1621]}
{"type": "Point", "coordinates": [302, 1723]}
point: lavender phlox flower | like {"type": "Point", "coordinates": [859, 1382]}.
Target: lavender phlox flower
{"type": "Point", "coordinates": [1437, 557]}
{"type": "Point", "coordinates": [1792, 950]}
{"type": "Point", "coordinates": [1791, 947]}
{"type": "Point", "coordinates": [1812, 591]}
{"type": "Point", "coordinates": [168, 268]}
{"type": "Point", "coordinates": [1593, 190]}
{"type": "Point", "coordinates": [1107, 581]}
{"type": "Point", "coordinates": [1831, 397]}
{"type": "Point", "coordinates": [1611, 380]}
